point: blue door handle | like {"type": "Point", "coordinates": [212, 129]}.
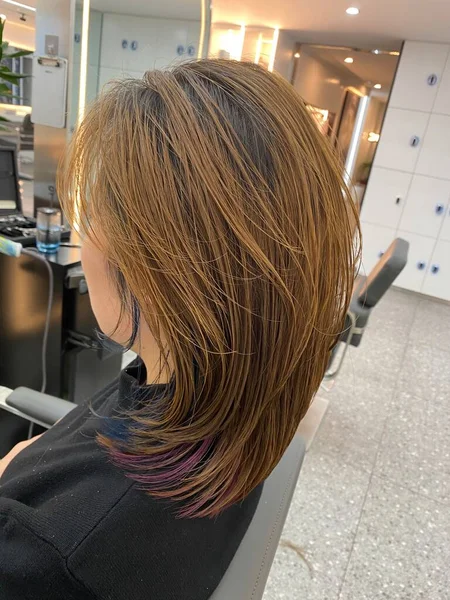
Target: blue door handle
{"type": "Point", "coordinates": [439, 209]}
{"type": "Point", "coordinates": [435, 269]}
{"type": "Point", "coordinates": [421, 265]}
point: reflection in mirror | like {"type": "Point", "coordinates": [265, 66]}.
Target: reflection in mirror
{"type": "Point", "coordinates": [346, 89]}
{"type": "Point", "coordinates": [127, 40]}
{"type": "Point", "coordinates": [347, 92]}
{"type": "Point", "coordinates": [238, 42]}
{"type": "Point", "coordinates": [16, 129]}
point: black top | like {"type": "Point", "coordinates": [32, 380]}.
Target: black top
{"type": "Point", "coordinates": [73, 526]}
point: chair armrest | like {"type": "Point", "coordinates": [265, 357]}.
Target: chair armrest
{"type": "Point", "coordinates": [39, 407]}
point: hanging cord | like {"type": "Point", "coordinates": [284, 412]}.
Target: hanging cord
{"type": "Point", "coordinates": [36, 254]}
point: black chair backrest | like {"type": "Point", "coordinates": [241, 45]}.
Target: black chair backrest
{"type": "Point", "coordinates": [247, 574]}
{"type": "Point", "coordinates": [384, 273]}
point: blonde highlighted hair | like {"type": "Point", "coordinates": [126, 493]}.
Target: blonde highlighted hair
{"type": "Point", "coordinates": [228, 222]}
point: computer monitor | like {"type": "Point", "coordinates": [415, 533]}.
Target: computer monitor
{"type": "Point", "coordinates": [10, 199]}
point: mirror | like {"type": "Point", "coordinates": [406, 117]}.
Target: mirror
{"type": "Point", "coordinates": [345, 88]}
{"type": "Point", "coordinates": [347, 91]}
{"type": "Point", "coordinates": [127, 40]}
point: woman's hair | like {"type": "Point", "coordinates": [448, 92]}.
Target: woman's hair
{"type": "Point", "coordinates": [231, 231]}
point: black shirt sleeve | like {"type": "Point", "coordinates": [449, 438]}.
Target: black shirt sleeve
{"type": "Point", "coordinates": [31, 568]}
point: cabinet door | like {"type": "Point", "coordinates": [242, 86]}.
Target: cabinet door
{"type": "Point", "coordinates": [437, 281]}
{"type": "Point", "coordinates": [385, 197]}
{"type": "Point", "coordinates": [434, 158]}
{"type": "Point", "coordinates": [442, 102]}
{"type": "Point", "coordinates": [375, 241]}
{"type": "Point", "coordinates": [426, 206]}
{"type": "Point", "coordinates": [419, 258]}
{"type": "Point", "coordinates": [418, 76]}
{"type": "Point", "coordinates": [401, 139]}
{"type": "Point", "coordinates": [445, 231]}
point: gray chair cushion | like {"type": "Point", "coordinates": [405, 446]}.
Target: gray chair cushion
{"type": "Point", "coordinates": [247, 574]}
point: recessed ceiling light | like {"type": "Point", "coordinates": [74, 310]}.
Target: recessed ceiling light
{"type": "Point", "coordinates": [352, 10]}
{"type": "Point", "coordinates": [348, 60]}
{"type": "Point", "coordinates": [376, 51]}
{"type": "Point", "coordinates": [2, 17]}
{"type": "Point", "coordinates": [377, 86]}
{"type": "Point", "coordinates": [297, 55]}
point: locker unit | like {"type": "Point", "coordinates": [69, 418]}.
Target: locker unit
{"type": "Point", "coordinates": [408, 193]}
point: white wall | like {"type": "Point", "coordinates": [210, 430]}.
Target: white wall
{"type": "Point", "coordinates": [284, 61]}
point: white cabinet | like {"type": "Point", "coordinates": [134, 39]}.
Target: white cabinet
{"type": "Point", "coordinates": [139, 44]}
{"type": "Point", "coordinates": [375, 241]}
{"type": "Point", "coordinates": [426, 206]}
{"type": "Point", "coordinates": [434, 158]}
{"type": "Point", "coordinates": [193, 36]}
{"type": "Point", "coordinates": [408, 193]}
{"type": "Point", "coordinates": [385, 197]}
{"type": "Point", "coordinates": [437, 281]}
{"type": "Point", "coordinates": [108, 74]}
{"type": "Point", "coordinates": [419, 257]}
{"type": "Point", "coordinates": [445, 231]}
{"type": "Point", "coordinates": [418, 76]}
{"type": "Point", "coordinates": [401, 139]}
{"type": "Point", "coordinates": [442, 102]}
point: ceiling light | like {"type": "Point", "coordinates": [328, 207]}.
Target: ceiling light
{"type": "Point", "coordinates": [20, 5]}
{"type": "Point", "coordinates": [376, 51]}
{"type": "Point", "coordinates": [373, 137]}
{"type": "Point", "coordinates": [348, 60]}
{"type": "Point", "coordinates": [377, 86]}
{"type": "Point", "coordinates": [2, 17]}
{"type": "Point", "coordinates": [352, 10]}
{"type": "Point", "coordinates": [297, 55]}
{"type": "Point", "coordinates": [394, 53]}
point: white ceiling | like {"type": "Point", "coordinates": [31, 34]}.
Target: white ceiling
{"type": "Point", "coordinates": [13, 13]}
{"type": "Point", "coordinates": [381, 23]}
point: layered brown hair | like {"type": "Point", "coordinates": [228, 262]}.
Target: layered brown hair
{"type": "Point", "coordinates": [228, 221]}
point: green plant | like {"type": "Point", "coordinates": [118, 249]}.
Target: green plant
{"type": "Point", "coordinates": [6, 75]}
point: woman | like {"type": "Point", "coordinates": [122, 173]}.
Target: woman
{"type": "Point", "coordinates": [218, 243]}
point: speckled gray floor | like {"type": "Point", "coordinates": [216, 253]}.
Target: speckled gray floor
{"type": "Point", "coordinates": [371, 513]}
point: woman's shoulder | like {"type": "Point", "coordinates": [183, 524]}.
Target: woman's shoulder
{"type": "Point", "coordinates": [117, 541]}
{"type": "Point", "coordinates": [163, 555]}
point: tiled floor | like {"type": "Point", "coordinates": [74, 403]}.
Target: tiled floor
{"type": "Point", "coordinates": [371, 513]}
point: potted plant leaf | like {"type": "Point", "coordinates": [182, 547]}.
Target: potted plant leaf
{"type": "Point", "coordinates": [6, 75]}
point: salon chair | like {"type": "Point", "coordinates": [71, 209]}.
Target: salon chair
{"type": "Point", "coordinates": [246, 577]}
{"type": "Point", "coordinates": [367, 293]}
